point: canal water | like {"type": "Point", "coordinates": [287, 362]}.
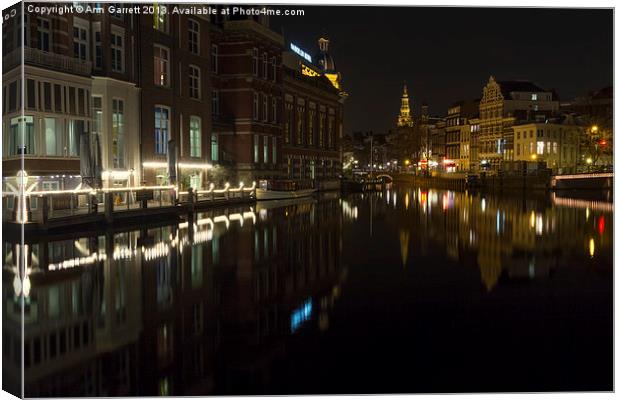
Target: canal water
{"type": "Point", "coordinates": [408, 290]}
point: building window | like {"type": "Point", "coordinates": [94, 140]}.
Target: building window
{"type": "Point", "coordinates": [215, 152]}
{"type": "Point", "coordinates": [274, 69]}
{"type": "Point", "coordinates": [274, 110]}
{"type": "Point", "coordinates": [98, 55]}
{"type": "Point", "coordinates": [321, 128]}
{"type": "Point", "coordinates": [76, 128]}
{"type": "Point", "coordinates": [330, 132]}
{"type": "Point", "coordinates": [194, 82]}
{"type": "Point", "coordinates": [288, 122]}
{"type": "Point", "coordinates": [265, 108]}
{"type": "Point", "coordinates": [118, 133]}
{"type": "Point", "coordinates": [540, 147]}
{"type": "Point", "coordinates": [43, 34]}
{"type": "Point", "coordinates": [265, 149]}
{"type": "Point", "coordinates": [256, 144]}
{"type": "Point", "coordinates": [311, 117]}
{"type": "Point", "coordinates": [97, 113]}
{"type": "Point", "coordinates": [116, 45]}
{"type": "Point", "coordinates": [555, 147]}
{"type": "Point", "coordinates": [195, 136]}
{"type": "Point", "coordinates": [215, 102]}
{"type": "Point", "coordinates": [255, 107]}
{"type": "Point", "coordinates": [274, 149]}
{"type": "Point", "coordinates": [518, 149]}
{"type": "Point", "coordinates": [534, 96]}
{"type": "Point", "coordinates": [162, 66]}
{"type": "Point", "coordinates": [301, 117]}
{"type": "Point", "coordinates": [160, 17]}
{"type": "Point", "coordinates": [80, 41]}
{"type": "Point", "coordinates": [193, 36]}
{"type": "Point", "coordinates": [265, 69]}
{"type": "Point", "coordinates": [21, 139]}
{"type": "Point", "coordinates": [214, 58]}
{"type": "Point", "coordinates": [255, 61]}
{"type": "Point", "coordinates": [162, 129]}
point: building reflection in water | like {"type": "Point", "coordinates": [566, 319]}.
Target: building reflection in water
{"type": "Point", "coordinates": [520, 237]}
{"type": "Point", "coordinates": [186, 309]}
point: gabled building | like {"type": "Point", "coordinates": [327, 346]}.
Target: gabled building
{"type": "Point", "coordinates": [503, 104]}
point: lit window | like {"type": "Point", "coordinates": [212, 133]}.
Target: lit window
{"type": "Point", "coordinates": [265, 149]}
{"type": "Point", "coordinates": [195, 138]}
{"type": "Point", "coordinates": [256, 144]}
{"type": "Point", "coordinates": [193, 36]}
{"type": "Point", "coordinates": [540, 147]}
{"type": "Point", "coordinates": [214, 148]}
{"type": "Point", "coordinates": [118, 133]}
{"type": "Point", "coordinates": [162, 65]}
{"type": "Point", "coordinates": [534, 96]}
{"type": "Point", "coordinates": [160, 17]}
{"type": "Point", "coordinates": [162, 129]}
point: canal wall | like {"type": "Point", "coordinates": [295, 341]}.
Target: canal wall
{"type": "Point", "coordinates": [493, 183]}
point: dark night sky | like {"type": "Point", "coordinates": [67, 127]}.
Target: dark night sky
{"type": "Point", "coordinates": [447, 54]}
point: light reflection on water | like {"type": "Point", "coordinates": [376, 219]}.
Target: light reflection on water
{"type": "Point", "coordinates": [257, 299]}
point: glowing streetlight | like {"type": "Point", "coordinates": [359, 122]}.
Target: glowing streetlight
{"type": "Point", "coordinates": [594, 129]}
{"type": "Point", "coordinates": [533, 156]}
{"type": "Point", "coordinates": [406, 162]}
{"type": "Point", "coordinates": [589, 160]}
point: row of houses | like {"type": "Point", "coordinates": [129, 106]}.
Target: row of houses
{"type": "Point", "coordinates": [226, 98]}
{"type": "Point", "coordinates": [512, 121]}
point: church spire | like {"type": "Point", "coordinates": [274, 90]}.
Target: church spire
{"type": "Point", "coordinates": [404, 118]}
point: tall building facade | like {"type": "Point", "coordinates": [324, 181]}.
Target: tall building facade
{"type": "Point", "coordinates": [204, 94]}
{"type": "Point", "coordinates": [404, 118]}
{"type": "Point", "coordinates": [313, 109]}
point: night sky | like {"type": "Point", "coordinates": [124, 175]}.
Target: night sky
{"type": "Point", "coordinates": [447, 54]}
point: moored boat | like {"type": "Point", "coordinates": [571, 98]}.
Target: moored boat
{"type": "Point", "coordinates": [268, 194]}
{"type": "Point", "coordinates": [284, 189]}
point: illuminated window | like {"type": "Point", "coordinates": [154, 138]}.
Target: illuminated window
{"type": "Point", "coordinates": [555, 147]}
{"type": "Point", "coordinates": [160, 17]}
{"type": "Point", "coordinates": [214, 147]}
{"type": "Point", "coordinates": [265, 149]}
{"type": "Point", "coordinates": [118, 133]}
{"type": "Point", "coordinates": [534, 96]}
{"type": "Point", "coordinates": [194, 82]}
{"type": "Point", "coordinates": [162, 129]}
{"type": "Point", "coordinates": [21, 144]}
{"type": "Point", "coordinates": [193, 36]}
{"type": "Point", "coordinates": [162, 65]}
{"type": "Point", "coordinates": [195, 137]}
{"type": "Point", "coordinates": [540, 148]}
{"type": "Point", "coordinates": [256, 144]}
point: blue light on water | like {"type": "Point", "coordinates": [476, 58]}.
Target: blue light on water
{"type": "Point", "coordinates": [301, 315]}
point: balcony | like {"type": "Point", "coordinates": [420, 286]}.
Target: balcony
{"type": "Point", "coordinates": [47, 60]}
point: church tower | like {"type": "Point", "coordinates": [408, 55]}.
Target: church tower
{"type": "Point", "coordinates": [404, 118]}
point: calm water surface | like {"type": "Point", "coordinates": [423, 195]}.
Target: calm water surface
{"type": "Point", "coordinates": [408, 290]}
